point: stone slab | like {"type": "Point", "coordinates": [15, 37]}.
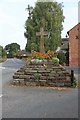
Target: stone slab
{"type": "Point", "coordinates": [24, 76]}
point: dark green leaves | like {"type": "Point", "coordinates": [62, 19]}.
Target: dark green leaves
{"type": "Point", "coordinates": [48, 15]}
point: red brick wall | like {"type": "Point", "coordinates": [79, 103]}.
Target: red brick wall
{"type": "Point", "coordinates": [74, 46]}
{"type": "Point", "coordinates": [79, 46]}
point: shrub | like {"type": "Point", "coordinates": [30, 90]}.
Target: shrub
{"type": "Point", "coordinates": [62, 58]}
{"type": "Point", "coordinates": [37, 76]}
{"type": "Point", "coordinates": [75, 84]}
{"type": "Point", "coordinates": [55, 60]}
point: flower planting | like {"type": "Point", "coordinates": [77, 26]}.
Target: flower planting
{"type": "Point", "coordinates": [38, 57]}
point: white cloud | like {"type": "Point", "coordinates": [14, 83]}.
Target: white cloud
{"type": "Point", "coordinates": [13, 1]}
{"type": "Point", "coordinates": [67, 1]}
{"type": "Point", "coordinates": [13, 16]}
{"type": "Point", "coordinates": [71, 19]}
{"type": "Point", "coordinates": [12, 20]}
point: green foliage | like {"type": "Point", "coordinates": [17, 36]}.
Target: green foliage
{"type": "Point", "coordinates": [12, 49]}
{"type": "Point", "coordinates": [37, 76]}
{"type": "Point", "coordinates": [62, 58]}
{"type": "Point", "coordinates": [67, 57]}
{"type": "Point", "coordinates": [33, 46]}
{"type": "Point", "coordinates": [48, 15]}
{"type": "Point", "coordinates": [75, 84]}
{"type": "Point", "coordinates": [1, 48]}
{"type": "Point", "coordinates": [2, 52]}
{"type": "Point", "coordinates": [28, 60]}
{"type": "Point", "coordinates": [55, 60]}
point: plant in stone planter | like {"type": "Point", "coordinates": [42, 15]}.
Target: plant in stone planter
{"type": "Point", "coordinates": [37, 76]}
{"type": "Point", "coordinates": [36, 61]}
{"type": "Point", "coordinates": [28, 60]}
{"type": "Point", "coordinates": [38, 57]}
{"type": "Point", "coordinates": [55, 60]}
{"type": "Point", "coordinates": [41, 56]}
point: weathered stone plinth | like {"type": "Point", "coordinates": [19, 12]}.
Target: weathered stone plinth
{"type": "Point", "coordinates": [42, 74]}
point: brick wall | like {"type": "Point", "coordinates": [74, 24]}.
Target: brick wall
{"type": "Point", "coordinates": [74, 46]}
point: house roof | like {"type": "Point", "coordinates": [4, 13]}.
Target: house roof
{"type": "Point", "coordinates": [73, 28]}
{"type": "Point", "coordinates": [64, 45]}
{"type": "Point", "coordinates": [64, 40]}
{"type": "Point", "coordinates": [22, 52]}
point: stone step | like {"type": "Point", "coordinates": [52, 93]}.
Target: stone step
{"type": "Point", "coordinates": [52, 75]}
{"type": "Point", "coordinates": [19, 73]}
{"type": "Point", "coordinates": [15, 76]}
{"type": "Point", "coordinates": [21, 77]}
{"type": "Point", "coordinates": [43, 71]}
{"type": "Point", "coordinates": [56, 84]}
{"type": "Point", "coordinates": [30, 71]}
{"type": "Point", "coordinates": [17, 81]}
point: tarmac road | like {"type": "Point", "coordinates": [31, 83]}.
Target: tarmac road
{"type": "Point", "coordinates": [35, 102]}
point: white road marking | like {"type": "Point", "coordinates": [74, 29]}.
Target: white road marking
{"type": "Point", "coordinates": [1, 95]}
{"type": "Point", "coordinates": [2, 67]}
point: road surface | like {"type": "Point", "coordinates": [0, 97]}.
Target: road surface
{"type": "Point", "coordinates": [35, 102]}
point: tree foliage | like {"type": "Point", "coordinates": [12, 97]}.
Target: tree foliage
{"type": "Point", "coordinates": [2, 52]}
{"type": "Point", "coordinates": [1, 48]}
{"type": "Point", "coordinates": [12, 49]}
{"type": "Point", "coordinates": [48, 15]}
{"type": "Point", "coordinates": [62, 58]}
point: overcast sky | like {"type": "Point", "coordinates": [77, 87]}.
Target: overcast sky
{"type": "Point", "coordinates": [13, 17]}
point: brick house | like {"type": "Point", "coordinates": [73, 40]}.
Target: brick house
{"type": "Point", "coordinates": [74, 45]}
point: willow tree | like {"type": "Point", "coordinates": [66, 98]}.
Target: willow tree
{"type": "Point", "coordinates": [48, 15]}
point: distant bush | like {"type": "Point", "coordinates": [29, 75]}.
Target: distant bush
{"type": "Point", "coordinates": [62, 58]}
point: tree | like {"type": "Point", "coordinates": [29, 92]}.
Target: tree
{"type": "Point", "coordinates": [62, 58]}
{"type": "Point", "coordinates": [12, 49]}
{"type": "Point", "coordinates": [1, 48]}
{"type": "Point", "coordinates": [48, 15]}
{"type": "Point", "coordinates": [2, 52]}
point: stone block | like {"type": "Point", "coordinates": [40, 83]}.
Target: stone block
{"type": "Point", "coordinates": [50, 69]}
{"type": "Point", "coordinates": [42, 82]}
{"type": "Point", "coordinates": [43, 71]}
{"type": "Point", "coordinates": [19, 70]}
{"type": "Point", "coordinates": [53, 72]}
{"type": "Point", "coordinates": [45, 74]}
{"type": "Point", "coordinates": [27, 69]}
{"type": "Point", "coordinates": [16, 82]}
{"type": "Point", "coordinates": [68, 78]}
{"type": "Point", "coordinates": [21, 81]}
{"type": "Point", "coordinates": [56, 67]}
{"type": "Point", "coordinates": [61, 78]}
{"type": "Point", "coordinates": [56, 84]}
{"type": "Point", "coordinates": [24, 76]}
{"type": "Point", "coordinates": [30, 71]}
{"type": "Point", "coordinates": [19, 73]}
{"type": "Point", "coordinates": [67, 84]}
{"type": "Point", "coordinates": [32, 77]}
{"type": "Point", "coordinates": [51, 84]}
{"type": "Point", "coordinates": [26, 82]}
{"type": "Point", "coordinates": [15, 76]}
{"type": "Point", "coordinates": [53, 75]}
{"type": "Point", "coordinates": [43, 77]}
{"type": "Point", "coordinates": [51, 78]}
